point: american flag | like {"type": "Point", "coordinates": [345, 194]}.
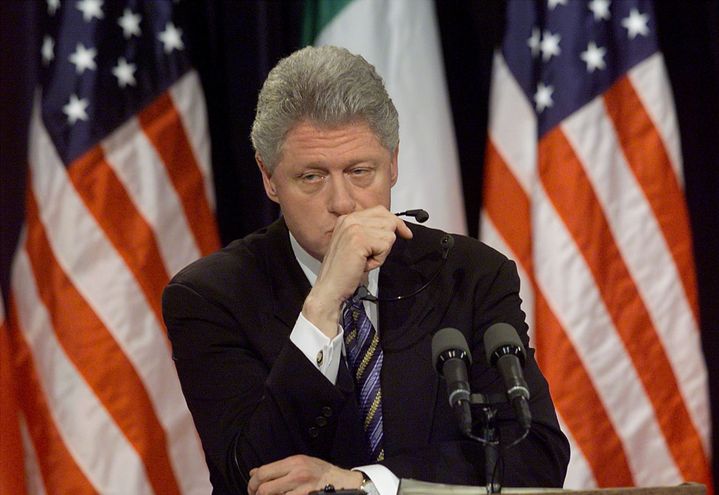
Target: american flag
{"type": "Point", "coordinates": [584, 187]}
{"type": "Point", "coordinates": [119, 198]}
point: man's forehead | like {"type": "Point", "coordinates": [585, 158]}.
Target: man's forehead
{"type": "Point", "coordinates": [358, 125]}
{"type": "Point", "coordinates": [308, 138]}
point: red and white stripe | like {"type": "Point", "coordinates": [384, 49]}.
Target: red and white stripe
{"type": "Point", "coordinates": [32, 465]}
{"type": "Point", "coordinates": [103, 405]}
{"type": "Point", "coordinates": [594, 213]}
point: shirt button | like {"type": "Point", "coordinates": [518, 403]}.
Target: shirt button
{"type": "Point", "coordinates": [313, 432]}
{"type": "Point", "coordinates": [320, 357]}
{"type": "Point", "coordinates": [321, 421]}
{"type": "Point", "coordinates": [327, 411]}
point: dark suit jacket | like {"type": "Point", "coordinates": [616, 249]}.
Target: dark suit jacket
{"type": "Point", "coordinates": [256, 398]}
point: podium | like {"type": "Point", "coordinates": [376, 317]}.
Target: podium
{"type": "Point", "coordinates": [414, 487]}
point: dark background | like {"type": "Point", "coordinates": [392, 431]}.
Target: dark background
{"type": "Point", "coordinates": [235, 43]}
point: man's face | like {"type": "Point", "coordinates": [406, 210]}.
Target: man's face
{"type": "Point", "coordinates": [324, 173]}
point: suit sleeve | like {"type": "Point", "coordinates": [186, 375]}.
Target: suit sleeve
{"type": "Point", "coordinates": [249, 408]}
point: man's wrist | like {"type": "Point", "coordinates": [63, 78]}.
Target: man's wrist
{"type": "Point", "coordinates": [367, 485]}
{"type": "Point", "coordinates": [385, 482]}
{"type": "Point", "coordinates": [322, 313]}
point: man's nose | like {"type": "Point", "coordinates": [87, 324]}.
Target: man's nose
{"type": "Point", "coordinates": [340, 199]}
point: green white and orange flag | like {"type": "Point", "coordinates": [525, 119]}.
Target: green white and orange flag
{"type": "Point", "coordinates": [401, 39]}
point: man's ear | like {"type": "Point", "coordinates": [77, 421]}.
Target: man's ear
{"type": "Point", "coordinates": [270, 189]}
{"type": "Point", "coordinates": [394, 170]}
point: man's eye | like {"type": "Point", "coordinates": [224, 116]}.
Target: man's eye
{"type": "Point", "coordinates": [359, 171]}
{"type": "Point", "coordinates": [311, 177]}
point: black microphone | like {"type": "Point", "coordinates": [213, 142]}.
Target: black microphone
{"type": "Point", "coordinates": [420, 215]}
{"type": "Point", "coordinates": [505, 351]}
{"type": "Point", "coordinates": [451, 358]}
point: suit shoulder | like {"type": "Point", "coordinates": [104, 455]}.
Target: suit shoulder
{"type": "Point", "coordinates": [475, 247]}
{"type": "Point", "coordinates": [468, 248]}
{"type": "Point", "coordinates": [240, 258]}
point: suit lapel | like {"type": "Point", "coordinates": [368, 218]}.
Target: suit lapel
{"type": "Point", "coordinates": [402, 322]}
{"type": "Point", "coordinates": [289, 283]}
{"type": "Point", "coordinates": [406, 328]}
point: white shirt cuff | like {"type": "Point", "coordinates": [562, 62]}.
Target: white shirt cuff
{"type": "Point", "coordinates": [383, 479]}
{"type": "Point", "coordinates": [323, 352]}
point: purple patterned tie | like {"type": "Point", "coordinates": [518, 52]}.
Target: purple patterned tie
{"type": "Point", "coordinates": [364, 357]}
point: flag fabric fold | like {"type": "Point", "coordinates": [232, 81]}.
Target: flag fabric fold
{"type": "Point", "coordinates": [119, 198]}
{"type": "Point", "coordinates": [584, 188]}
{"type": "Point", "coordinates": [12, 470]}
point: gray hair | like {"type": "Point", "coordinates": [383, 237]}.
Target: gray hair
{"type": "Point", "coordinates": [326, 86]}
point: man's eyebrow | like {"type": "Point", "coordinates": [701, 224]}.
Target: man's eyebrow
{"type": "Point", "coordinates": [367, 159]}
{"type": "Point", "coordinates": [348, 164]}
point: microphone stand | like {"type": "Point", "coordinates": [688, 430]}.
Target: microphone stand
{"type": "Point", "coordinates": [490, 439]}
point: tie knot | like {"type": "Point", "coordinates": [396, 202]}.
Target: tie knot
{"type": "Point", "coordinates": [354, 309]}
{"type": "Point", "coordinates": [355, 320]}
{"type": "Point", "coordinates": [361, 294]}
{"type": "Point", "coordinates": [353, 304]}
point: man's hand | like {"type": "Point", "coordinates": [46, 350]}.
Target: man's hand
{"type": "Point", "coordinates": [299, 475]}
{"type": "Point", "coordinates": [361, 241]}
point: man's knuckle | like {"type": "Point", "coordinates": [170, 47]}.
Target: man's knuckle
{"type": "Point", "coordinates": [353, 228]}
{"type": "Point", "coordinates": [304, 475]}
{"type": "Point", "coordinates": [356, 236]}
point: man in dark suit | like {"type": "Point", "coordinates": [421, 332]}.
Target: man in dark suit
{"type": "Point", "coordinates": [265, 332]}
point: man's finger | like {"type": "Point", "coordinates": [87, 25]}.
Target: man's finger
{"type": "Point", "coordinates": [273, 470]}
{"type": "Point", "coordinates": [266, 473]}
{"type": "Point", "coordinates": [403, 230]}
{"type": "Point", "coordinates": [283, 484]}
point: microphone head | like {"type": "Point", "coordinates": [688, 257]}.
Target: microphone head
{"type": "Point", "coordinates": [449, 343]}
{"type": "Point", "coordinates": [421, 216]}
{"type": "Point", "coordinates": [501, 339]}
